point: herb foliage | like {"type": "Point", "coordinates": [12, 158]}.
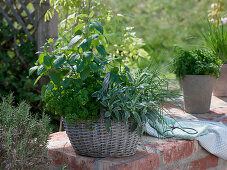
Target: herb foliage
{"type": "Point", "coordinates": [76, 71]}
{"type": "Point", "coordinates": [215, 37]}
{"type": "Point", "coordinates": [140, 97]}
{"type": "Point", "coordinates": [23, 136]}
{"type": "Point", "coordinates": [196, 62]}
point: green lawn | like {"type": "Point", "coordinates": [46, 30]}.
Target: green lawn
{"type": "Point", "coordinates": [164, 23]}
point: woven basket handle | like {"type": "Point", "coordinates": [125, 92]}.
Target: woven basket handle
{"type": "Point", "coordinates": [106, 81]}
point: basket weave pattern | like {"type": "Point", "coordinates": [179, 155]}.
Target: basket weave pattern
{"type": "Point", "coordinates": [91, 139]}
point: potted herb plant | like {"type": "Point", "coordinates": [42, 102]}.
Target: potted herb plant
{"type": "Point", "coordinates": [197, 71]}
{"type": "Point", "coordinates": [216, 39]}
{"type": "Point", "coordinates": [104, 107]}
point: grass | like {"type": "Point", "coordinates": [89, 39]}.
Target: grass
{"type": "Point", "coordinates": [165, 23]}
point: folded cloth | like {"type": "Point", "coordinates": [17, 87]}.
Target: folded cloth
{"type": "Point", "coordinates": [212, 136]}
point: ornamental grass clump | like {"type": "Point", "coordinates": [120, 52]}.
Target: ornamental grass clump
{"type": "Point", "coordinates": [23, 137]}
{"type": "Point", "coordinates": [216, 39]}
{"type": "Point", "coordinates": [215, 35]}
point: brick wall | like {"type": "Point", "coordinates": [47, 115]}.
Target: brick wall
{"type": "Point", "coordinates": [156, 154]}
{"type": "Point", "coordinates": [152, 153]}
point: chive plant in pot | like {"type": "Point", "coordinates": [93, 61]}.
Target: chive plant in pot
{"type": "Point", "coordinates": [104, 107]}
{"type": "Point", "coordinates": [197, 71]}
{"type": "Point", "coordinates": [216, 39]}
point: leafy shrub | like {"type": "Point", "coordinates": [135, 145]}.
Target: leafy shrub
{"type": "Point", "coordinates": [123, 44]}
{"type": "Point", "coordinates": [196, 62]}
{"type": "Point", "coordinates": [23, 137]}
{"type": "Point", "coordinates": [76, 70]}
{"type": "Point", "coordinates": [17, 54]}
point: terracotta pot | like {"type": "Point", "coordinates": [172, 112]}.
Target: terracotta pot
{"type": "Point", "coordinates": [197, 92]}
{"type": "Point", "coordinates": [221, 83]}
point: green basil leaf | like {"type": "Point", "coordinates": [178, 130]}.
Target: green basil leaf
{"type": "Point", "coordinates": [74, 40]}
{"type": "Point", "coordinates": [91, 14]}
{"type": "Point", "coordinates": [41, 69]}
{"type": "Point", "coordinates": [43, 90]}
{"type": "Point", "coordinates": [85, 44]}
{"type": "Point", "coordinates": [85, 73]}
{"type": "Point", "coordinates": [50, 41]}
{"type": "Point", "coordinates": [59, 61]}
{"type": "Point", "coordinates": [97, 26]}
{"type": "Point", "coordinates": [97, 60]}
{"type": "Point", "coordinates": [101, 50]}
{"type": "Point", "coordinates": [32, 70]}
{"type": "Point", "coordinates": [55, 77]}
{"type": "Point", "coordinates": [65, 83]}
{"type": "Point", "coordinates": [94, 67]}
{"type": "Point", "coordinates": [82, 15]}
{"type": "Point", "coordinates": [81, 66]}
{"type": "Point", "coordinates": [47, 60]}
{"type": "Point", "coordinates": [88, 55]}
{"type": "Point", "coordinates": [78, 27]}
{"type": "Point", "coordinates": [49, 87]}
{"type": "Point", "coordinates": [41, 56]}
{"type": "Point", "coordinates": [73, 59]}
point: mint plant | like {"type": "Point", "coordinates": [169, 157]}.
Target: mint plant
{"type": "Point", "coordinates": [76, 70]}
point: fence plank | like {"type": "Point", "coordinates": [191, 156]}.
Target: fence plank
{"type": "Point", "coordinates": [8, 2]}
{"type": "Point", "coordinates": [7, 18]}
{"type": "Point", "coordinates": [27, 12]}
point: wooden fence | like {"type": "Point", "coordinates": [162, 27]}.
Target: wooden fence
{"type": "Point", "coordinates": [27, 16]}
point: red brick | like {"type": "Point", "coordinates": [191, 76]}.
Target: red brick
{"type": "Point", "coordinates": [57, 157]}
{"type": "Point", "coordinates": [81, 163]}
{"type": "Point", "coordinates": [68, 157]}
{"type": "Point", "coordinates": [222, 168]}
{"type": "Point", "coordinates": [209, 161]}
{"type": "Point", "coordinates": [58, 136]}
{"type": "Point", "coordinates": [224, 120]}
{"type": "Point", "coordinates": [213, 114]}
{"type": "Point", "coordinates": [178, 113]}
{"type": "Point", "coordinates": [139, 161]}
{"type": "Point", "coordinates": [174, 150]}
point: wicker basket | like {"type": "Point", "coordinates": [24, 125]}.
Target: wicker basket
{"type": "Point", "coordinates": [91, 139]}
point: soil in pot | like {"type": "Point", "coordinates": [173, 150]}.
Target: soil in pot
{"type": "Point", "coordinates": [197, 93]}
{"type": "Point", "coordinates": [91, 138]}
{"type": "Point", "coordinates": [221, 83]}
